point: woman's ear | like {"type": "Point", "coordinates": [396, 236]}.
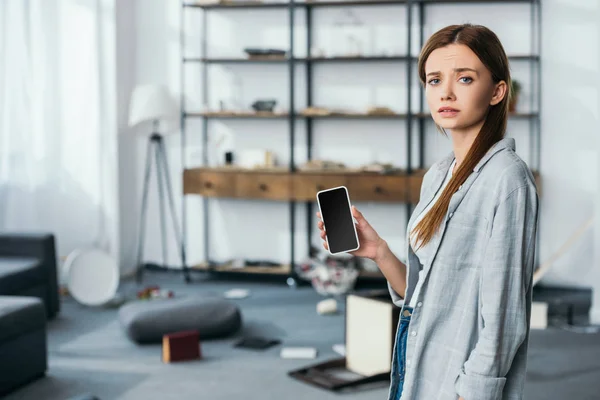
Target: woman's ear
{"type": "Point", "coordinates": [500, 90]}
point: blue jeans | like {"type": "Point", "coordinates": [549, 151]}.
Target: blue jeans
{"type": "Point", "coordinates": [400, 358]}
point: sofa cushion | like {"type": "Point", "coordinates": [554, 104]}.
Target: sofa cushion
{"type": "Point", "coordinates": [18, 273]}
{"type": "Point", "coordinates": [147, 321]}
{"type": "Point", "coordinates": [20, 315]}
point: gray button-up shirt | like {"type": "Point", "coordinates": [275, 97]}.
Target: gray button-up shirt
{"type": "Point", "coordinates": [469, 332]}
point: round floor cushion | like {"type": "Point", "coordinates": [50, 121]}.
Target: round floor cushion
{"type": "Point", "coordinates": [146, 321]}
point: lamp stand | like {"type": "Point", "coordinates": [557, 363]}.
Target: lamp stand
{"type": "Point", "coordinates": [156, 145]}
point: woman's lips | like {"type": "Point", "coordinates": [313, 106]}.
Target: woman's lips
{"type": "Point", "coordinates": [447, 112]}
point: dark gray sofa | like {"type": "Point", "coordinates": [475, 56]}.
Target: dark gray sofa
{"type": "Point", "coordinates": [28, 268]}
{"type": "Point", "coordinates": [28, 297]}
{"type": "Point", "coordinates": [23, 354]}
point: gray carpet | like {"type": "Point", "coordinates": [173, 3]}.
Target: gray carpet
{"type": "Point", "coordinates": [88, 353]}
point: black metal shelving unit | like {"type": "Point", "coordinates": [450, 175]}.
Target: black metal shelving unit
{"type": "Point", "coordinates": [418, 7]}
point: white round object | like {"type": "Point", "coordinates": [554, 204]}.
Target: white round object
{"type": "Point", "coordinates": [92, 276]}
{"type": "Point", "coordinates": [328, 306]}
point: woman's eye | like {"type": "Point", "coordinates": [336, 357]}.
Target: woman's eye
{"type": "Point", "coordinates": [433, 81]}
{"type": "Point", "coordinates": [466, 79]}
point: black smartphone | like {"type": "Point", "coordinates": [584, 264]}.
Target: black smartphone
{"type": "Point", "coordinates": [336, 213]}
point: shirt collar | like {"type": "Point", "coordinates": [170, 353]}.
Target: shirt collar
{"type": "Point", "coordinates": [499, 145]}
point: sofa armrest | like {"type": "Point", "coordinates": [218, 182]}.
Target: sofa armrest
{"type": "Point", "coordinates": [41, 246]}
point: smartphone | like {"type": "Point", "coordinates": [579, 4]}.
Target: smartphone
{"type": "Point", "coordinates": [336, 213]}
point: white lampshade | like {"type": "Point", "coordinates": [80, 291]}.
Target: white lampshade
{"type": "Point", "coordinates": [151, 103]}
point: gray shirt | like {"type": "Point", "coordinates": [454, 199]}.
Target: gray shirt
{"type": "Point", "coordinates": [469, 331]}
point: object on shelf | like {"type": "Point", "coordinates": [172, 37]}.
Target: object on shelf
{"type": "Point", "coordinates": [257, 158]}
{"type": "Point", "coordinates": [207, 2]}
{"type": "Point", "coordinates": [181, 346]}
{"type": "Point", "coordinates": [382, 168]}
{"type": "Point", "coordinates": [242, 113]}
{"type": "Point", "coordinates": [380, 111]}
{"type": "Point", "coordinates": [264, 105]}
{"type": "Point", "coordinates": [260, 53]}
{"type": "Point", "coordinates": [317, 52]}
{"type": "Point", "coordinates": [514, 95]}
{"type": "Point", "coordinates": [350, 32]}
{"type": "Point", "coordinates": [316, 111]}
{"type": "Point", "coordinates": [319, 165]}
{"type": "Point", "coordinates": [228, 158]}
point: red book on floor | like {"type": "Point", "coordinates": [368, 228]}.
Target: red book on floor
{"type": "Point", "coordinates": [181, 346]}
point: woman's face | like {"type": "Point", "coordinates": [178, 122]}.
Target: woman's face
{"type": "Point", "coordinates": [459, 88]}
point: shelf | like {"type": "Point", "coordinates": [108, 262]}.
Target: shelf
{"type": "Point", "coordinates": [283, 269]}
{"type": "Point", "coordinates": [336, 59]}
{"type": "Point", "coordinates": [350, 3]}
{"type": "Point", "coordinates": [290, 183]}
{"type": "Point", "coordinates": [333, 115]}
{"type": "Point", "coordinates": [254, 60]}
{"type": "Point", "coordinates": [236, 5]}
{"type": "Point", "coordinates": [327, 3]}
{"type": "Point", "coordinates": [284, 5]}
{"type": "Point", "coordinates": [347, 115]}
{"type": "Point", "coordinates": [237, 114]}
{"type": "Point", "coordinates": [281, 185]}
{"type": "Point", "coordinates": [425, 2]}
{"type": "Point", "coordinates": [280, 60]}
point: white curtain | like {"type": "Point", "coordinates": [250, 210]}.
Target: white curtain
{"type": "Point", "coordinates": [57, 121]}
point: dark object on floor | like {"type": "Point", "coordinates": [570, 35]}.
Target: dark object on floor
{"type": "Point", "coordinates": [149, 321]}
{"type": "Point", "coordinates": [28, 268]}
{"type": "Point", "coordinates": [324, 375]}
{"type": "Point", "coordinates": [181, 346]}
{"type": "Point", "coordinates": [23, 355]}
{"type": "Point", "coordinates": [257, 343]}
{"type": "Point", "coordinates": [85, 397]}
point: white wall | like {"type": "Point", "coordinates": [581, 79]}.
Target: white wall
{"type": "Point", "coordinates": [570, 43]}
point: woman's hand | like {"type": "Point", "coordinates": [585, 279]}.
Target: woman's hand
{"type": "Point", "coordinates": [370, 242]}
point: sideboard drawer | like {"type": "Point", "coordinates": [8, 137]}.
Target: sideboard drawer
{"type": "Point", "coordinates": [263, 186]}
{"type": "Point", "coordinates": [377, 188]}
{"type": "Point", "coordinates": [209, 183]}
{"type": "Point", "coordinates": [306, 186]}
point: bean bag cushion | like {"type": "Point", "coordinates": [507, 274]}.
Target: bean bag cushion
{"type": "Point", "coordinates": [146, 321]}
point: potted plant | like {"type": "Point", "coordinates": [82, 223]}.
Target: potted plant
{"type": "Point", "coordinates": [513, 99]}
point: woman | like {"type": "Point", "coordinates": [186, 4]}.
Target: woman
{"type": "Point", "coordinates": [465, 290]}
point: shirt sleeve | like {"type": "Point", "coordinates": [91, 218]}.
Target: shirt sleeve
{"type": "Point", "coordinates": [506, 277]}
{"type": "Point", "coordinates": [396, 298]}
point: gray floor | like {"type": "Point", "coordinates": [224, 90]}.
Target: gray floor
{"type": "Point", "coordinates": [88, 353]}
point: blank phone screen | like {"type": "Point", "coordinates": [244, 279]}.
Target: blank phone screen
{"type": "Point", "coordinates": [337, 217]}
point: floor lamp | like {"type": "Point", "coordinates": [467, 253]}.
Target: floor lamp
{"type": "Point", "coordinates": [153, 103]}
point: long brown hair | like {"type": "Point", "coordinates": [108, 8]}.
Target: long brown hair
{"type": "Point", "coordinates": [486, 45]}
